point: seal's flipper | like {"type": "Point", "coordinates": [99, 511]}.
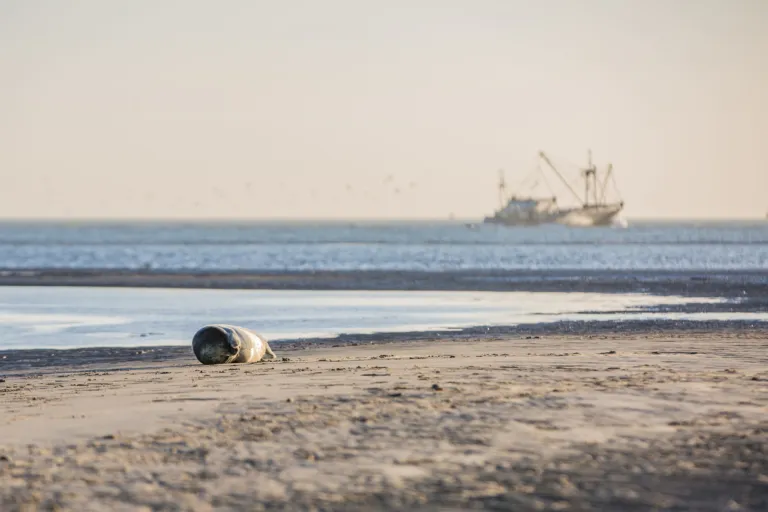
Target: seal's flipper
{"type": "Point", "coordinates": [269, 351]}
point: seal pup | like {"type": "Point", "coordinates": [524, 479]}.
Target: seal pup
{"type": "Point", "coordinates": [220, 344]}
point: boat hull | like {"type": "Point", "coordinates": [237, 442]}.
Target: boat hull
{"type": "Point", "coordinates": [506, 221]}
{"type": "Point", "coordinates": [601, 215]}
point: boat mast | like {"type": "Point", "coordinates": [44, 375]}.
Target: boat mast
{"type": "Point", "coordinates": [605, 183]}
{"type": "Point", "coordinates": [586, 177]}
{"type": "Point", "coordinates": [551, 166]}
{"type": "Point", "coordinates": [594, 179]}
{"type": "Point", "coordinates": [590, 180]}
{"type": "Point", "coordinates": [502, 188]}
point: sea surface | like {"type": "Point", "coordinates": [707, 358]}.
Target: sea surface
{"type": "Point", "coordinates": [51, 317]}
{"type": "Point", "coordinates": [425, 246]}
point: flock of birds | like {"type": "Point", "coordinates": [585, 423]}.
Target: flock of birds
{"type": "Point", "coordinates": [390, 184]}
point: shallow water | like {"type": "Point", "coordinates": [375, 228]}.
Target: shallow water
{"type": "Point", "coordinates": [40, 317]}
{"type": "Point", "coordinates": [430, 246]}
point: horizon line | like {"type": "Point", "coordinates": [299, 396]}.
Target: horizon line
{"type": "Point", "coordinates": [473, 220]}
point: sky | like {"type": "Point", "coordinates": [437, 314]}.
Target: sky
{"type": "Point", "coordinates": [377, 109]}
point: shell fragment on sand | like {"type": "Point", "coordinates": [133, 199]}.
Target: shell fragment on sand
{"type": "Point", "coordinates": [221, 344]}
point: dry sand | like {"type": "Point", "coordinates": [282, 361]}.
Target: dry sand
{"type": "Point", "coordinates": [665, 422]}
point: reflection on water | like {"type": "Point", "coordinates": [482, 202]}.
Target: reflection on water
{"type": "Point", "coordinates": [80, 317]}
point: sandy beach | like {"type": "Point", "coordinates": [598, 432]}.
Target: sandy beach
{"type": "Point", "coordinates": [671, 420]}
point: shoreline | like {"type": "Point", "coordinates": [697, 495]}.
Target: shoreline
{"type": "Point", "coordinates": [17, 361]}
{"type": "Point", "coordinates": [708, 283]}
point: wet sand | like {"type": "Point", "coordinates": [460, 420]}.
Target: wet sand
{"type": "Point", "coordinates": [665, 419]}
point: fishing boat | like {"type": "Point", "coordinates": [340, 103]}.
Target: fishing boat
{"type": "Point", "coordinates": [592, 208]}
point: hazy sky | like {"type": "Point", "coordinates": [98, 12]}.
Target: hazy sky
{"type": "Point", "coordinates": [246, 108]}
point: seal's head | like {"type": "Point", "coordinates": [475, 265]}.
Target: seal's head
{"type": "Point", "coordinates": [215, 344]}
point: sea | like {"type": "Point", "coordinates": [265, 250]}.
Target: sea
{"type": "Point", "coordinates": [423, 246]}
{"type": "Point", "coordinates": [40, 317]}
